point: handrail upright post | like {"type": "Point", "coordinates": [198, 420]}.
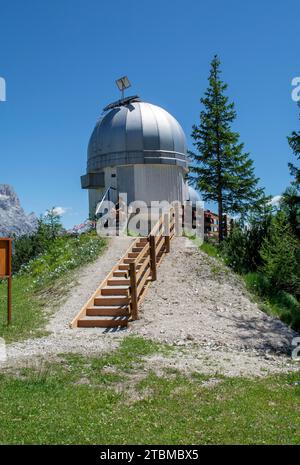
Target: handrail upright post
{"type": "Point", "coordinates": [133, 291]}
{"type": "Point", "coordinates": [167, 232]}
{"type": "Point", "coordinates": [153, 257]}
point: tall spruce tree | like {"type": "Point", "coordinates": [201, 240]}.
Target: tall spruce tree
{"type": "Point", "coordinates": [221, 170]}
{"type": "Point", "coordinates": [294, 143]}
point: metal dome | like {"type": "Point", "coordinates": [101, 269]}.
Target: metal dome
{"type": "Point", "coordinates": [136, 133]}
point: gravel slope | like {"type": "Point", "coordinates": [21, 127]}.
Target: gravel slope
{"type": "Point", "coordinates": [196, 298]}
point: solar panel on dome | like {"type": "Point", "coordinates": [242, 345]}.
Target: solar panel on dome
{"type": "Point", "coordinates": [122, 102]}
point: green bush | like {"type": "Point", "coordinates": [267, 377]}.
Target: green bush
{"type": "Point", "coordinates": [281, 256]}
{"type": "Point", "coordinates": [279, 303]}
{"type": "Point", "coordinates": [287, 307]}
{"type": "Point", "coordinates": [267, 253]}
{"type": "Point", "coordinates": [258, 283]}
{"type": "Point", "coordinates": [234, 250]}
{"type": "Point", "coordinates": [28, 247]}
{"type": "Point", "coordinates": [241, 249]}
{"type": "Point", "coordinates": [64, 254]}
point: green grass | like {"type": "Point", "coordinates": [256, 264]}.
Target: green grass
{"type": "Point", "coordinates": [280, 304]}
{"type": "Point", "coordinates": [76, 401]}
{"type": "Point", "coordinates": [43, 282]}
{"type": "Point", "coordinates": [210, 249]}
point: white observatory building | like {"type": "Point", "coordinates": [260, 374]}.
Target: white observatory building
{"type": "Point", "coordinates": [136, 148]}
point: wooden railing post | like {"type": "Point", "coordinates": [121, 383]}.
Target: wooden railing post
{"type": "Point", "coordinates": [133, 291]}
{"type": "Point", "coordinates": [167, 232]}
{"type": "Point", "coordinates": [153, 257]}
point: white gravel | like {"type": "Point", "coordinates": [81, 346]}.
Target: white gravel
{"type": "Point", "coordinates": [196, 304]}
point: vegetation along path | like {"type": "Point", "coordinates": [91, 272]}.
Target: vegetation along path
{"type": "Point", "coordinates": [197, 305]}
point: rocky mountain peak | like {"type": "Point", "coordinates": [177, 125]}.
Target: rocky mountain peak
{"type": "Point", "coordinates": [13, 219]}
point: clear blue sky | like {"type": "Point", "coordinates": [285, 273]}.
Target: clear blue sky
{"type": "Point", "coordinates": [60, 59]}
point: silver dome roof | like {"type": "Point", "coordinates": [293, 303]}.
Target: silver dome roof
{"type": "Point", "coordinates": [134, 133]}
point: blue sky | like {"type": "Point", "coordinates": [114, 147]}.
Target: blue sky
{"type": "Point", "coordinates": [60, 59]}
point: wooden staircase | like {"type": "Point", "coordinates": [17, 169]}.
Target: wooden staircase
{"type": "Point", "coordinates": [117, 299]}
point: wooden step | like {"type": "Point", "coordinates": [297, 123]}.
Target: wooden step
{"type": "Point", "coordinates": [107, 311]}
{"type": "Point", "coordinates": [137, 249]}
{"type": "Point", "coordinates": [142, 240]}
{"type": "Point", "coordinates": [126, 266]}
{"type": "Point", "coordinates": [108, 300]}
{"type": "Point", "coordinates": [123, 267]}
{"type": "Point", "coordinates": [133, 254]}
{"type": "Point", "coordinates": [102, 322]}
{"type": "Point", "coordinates": [118, 282]}
{"type": "Point", "coordinates": [113, 290]}
{"type": "Point", "coordinates": [128, 260]}
{"type": "Point", "coordinates": [120, 273]}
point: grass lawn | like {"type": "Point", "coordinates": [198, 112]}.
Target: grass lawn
{"type": "Point", "coordinates": [43, 283]}
{"type": "Point", "coordinates": [78, 400]}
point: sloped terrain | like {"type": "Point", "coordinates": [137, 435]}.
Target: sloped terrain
{"type": "Point", "coordinates": [196, 298]}
{"type": "Point", "coordinates": [197, 306]}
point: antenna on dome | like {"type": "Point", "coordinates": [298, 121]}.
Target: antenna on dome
{"type": "Point", "coordinates": [123, 83]}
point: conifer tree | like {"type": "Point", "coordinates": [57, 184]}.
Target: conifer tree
{"type": "Point", "coordinates": [221, 170]}
{"type": "Point", "coordinates": [294, 143]}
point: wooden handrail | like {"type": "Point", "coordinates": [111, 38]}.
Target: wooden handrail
{"type": "Point", "coordinates": [143, 267]}
{"type": "Point", "coordinates": [130, 278]}
{"type": "Point", "coordinates": [133, 291]}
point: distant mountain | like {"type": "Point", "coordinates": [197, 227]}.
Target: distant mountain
{"type": "Point", "coordinates": [13, 219]}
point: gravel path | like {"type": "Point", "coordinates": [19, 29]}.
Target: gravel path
{"type": "Point", "coordinates": [196, 304]}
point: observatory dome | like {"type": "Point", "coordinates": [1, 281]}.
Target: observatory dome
{"type": "Point", "coordinates": [134, 133]}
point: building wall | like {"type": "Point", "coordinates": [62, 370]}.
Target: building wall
{"type": "Point", "coordinates": [143, 182]}
{"type": "Point", "coordinates": [158, 182]}
{"type": "Point", "coordinates": [125, 181]}
{"type": "Point", "coordinates": [95, 195]}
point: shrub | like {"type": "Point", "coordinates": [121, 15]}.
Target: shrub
{"type": "Point", "coordinates": [28, 247]}
{"type": "Point", "coordinates": [258, 283]}
{"type": "Point", "coordinates": [241, 248]}
{"type": "Point", "coordinates": [281, 255]}
{"type": "Point", "coordinates": [234, 249]}
{"type": "Point", "coordinates": [65, 254]}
